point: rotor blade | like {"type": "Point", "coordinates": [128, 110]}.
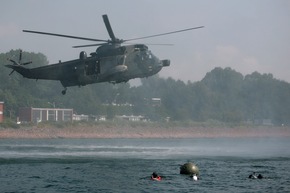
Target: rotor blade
{"type": "Point", "coordinates": [65, 36]}
{"type": "Point", "coordinates": [25, 63]}
{"type": "Point", "coordinates": [92, 45]}
{"type": "Point", "coordinates": [13, 61]}
{"type": "Point", "coordinates": [20, 56]}
{"type": "Point", "coordinates": [89, 45]}
{"type": "Point", "coordinates": [159, 44]}
{"type": "Point", "coordinates": [11, 72]}
{"type": "Point", "coordinates": [109, 28]}
{"type": "Point", "coordinates": [164, 33]}
{"type": "Point", "coordinates": [150, 44]}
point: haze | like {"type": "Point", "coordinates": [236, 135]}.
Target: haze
{"type": "Point", "coordinates": [245, 35]}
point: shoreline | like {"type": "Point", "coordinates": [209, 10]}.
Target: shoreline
{"type": "Point", "coordinates": [139, 132]}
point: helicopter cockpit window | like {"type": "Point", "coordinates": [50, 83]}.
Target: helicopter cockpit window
{"type": "Point", "coordinates": [149, 55]}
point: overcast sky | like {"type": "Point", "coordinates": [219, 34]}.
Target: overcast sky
{"type": "Point", "coordinates": [246, 35]}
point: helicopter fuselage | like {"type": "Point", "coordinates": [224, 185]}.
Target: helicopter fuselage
{"type": "Point", "coordinates": [114, 64]}
{"type": "Point", "coordinates": [110, 63]}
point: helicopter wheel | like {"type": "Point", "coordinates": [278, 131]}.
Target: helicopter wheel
{"type": "Point", "coordinates": [64, 91]}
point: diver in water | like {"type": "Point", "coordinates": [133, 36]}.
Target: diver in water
{"type": "Point", "coordinates": [254, 176]}
{"type": "Point", "coordinates": [194, 177]}
{"type": "Point", "coordinates": [155, 176]}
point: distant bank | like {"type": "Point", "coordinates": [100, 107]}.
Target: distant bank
{"type": "Point", "coordinates": [102, 131]}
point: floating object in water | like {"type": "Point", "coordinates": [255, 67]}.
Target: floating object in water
{"type": "Point", "coordinates": [189, 168]}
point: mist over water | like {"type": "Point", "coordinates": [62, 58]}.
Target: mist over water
{"type": "Point", "coordinates": [125, 165]}
{"type": "Point", "coordinates": [145, 148]}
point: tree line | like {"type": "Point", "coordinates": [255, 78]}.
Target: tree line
{"type": "Point", "coordinates": [223, 95]}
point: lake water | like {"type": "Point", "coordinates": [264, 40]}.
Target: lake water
{"type": "Point", "coordinates": [125, 165]}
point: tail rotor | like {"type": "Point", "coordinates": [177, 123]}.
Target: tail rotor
{"type": "Point", "coordinates": [19, 62]}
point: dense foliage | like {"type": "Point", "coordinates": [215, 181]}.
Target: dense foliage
{"type": "Point", "coordinates": [223, 95]}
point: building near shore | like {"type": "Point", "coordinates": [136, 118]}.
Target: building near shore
{"type": "Point", "coordinates": [80, 117]}
{"type": "Point", "coordinates": [132, 118]}
{"type": "Point", "coordinates": [36, 115]}
{"type": "Point", "coordinates": [1, 111]}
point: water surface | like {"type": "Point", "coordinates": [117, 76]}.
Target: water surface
{"type": "Point", "coordinates": [125, 165]}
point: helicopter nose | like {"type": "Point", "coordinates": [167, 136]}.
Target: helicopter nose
{"type": "Point", "coordinates": [165, 62]}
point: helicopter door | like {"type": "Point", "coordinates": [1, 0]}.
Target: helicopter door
{"type": "Point", "coordinates": [90, 68]}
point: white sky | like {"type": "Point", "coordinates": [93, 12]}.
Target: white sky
{"type": "Point", "coordinates": [246, 35]}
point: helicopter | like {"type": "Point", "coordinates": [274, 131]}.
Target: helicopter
{"type": "Point", "coordinates": [111, 62]}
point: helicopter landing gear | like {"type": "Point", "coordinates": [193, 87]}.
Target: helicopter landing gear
{"type": "Point", "coordinates": [64, 91]}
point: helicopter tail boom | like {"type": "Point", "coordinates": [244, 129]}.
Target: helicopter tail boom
{"type": "Point", "coordinates": [25, 72]}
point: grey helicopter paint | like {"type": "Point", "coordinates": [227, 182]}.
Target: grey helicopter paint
{"type": "Point", "coordinates": [111, 62]}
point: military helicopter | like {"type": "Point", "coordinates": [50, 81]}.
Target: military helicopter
{"type": "Point", "coordinates": [111, 62]}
